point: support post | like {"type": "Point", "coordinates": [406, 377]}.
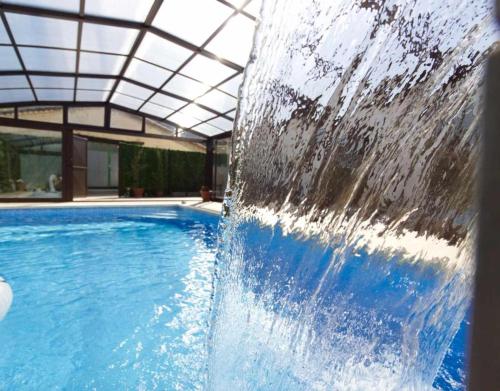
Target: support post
{"type": "Point", "coordinates": [67, 165]}
{"type": "Point", "coordinates": [484, 373]}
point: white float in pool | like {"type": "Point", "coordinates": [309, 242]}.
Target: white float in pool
{"type": "Point", "coordinates": [5, 297]}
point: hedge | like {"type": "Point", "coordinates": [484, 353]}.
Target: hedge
{"type": "Point", "coordinates": [160, 170]}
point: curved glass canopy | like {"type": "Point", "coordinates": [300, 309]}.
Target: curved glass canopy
{"type": "Point", "coordinates": [178, 61]}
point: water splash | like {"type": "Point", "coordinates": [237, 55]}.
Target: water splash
{"type": "Point", "coordinates": [345, 262]}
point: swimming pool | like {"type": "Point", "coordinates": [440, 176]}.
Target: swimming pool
{"type": "Point", "coordinates": [106, 298]}
{"type": "Point", "coordinates": [120, 298]}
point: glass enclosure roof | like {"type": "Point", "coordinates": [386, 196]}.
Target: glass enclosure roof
{"type": "Point", "coordinates": [180, 61]}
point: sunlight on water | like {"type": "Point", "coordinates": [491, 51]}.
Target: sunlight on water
{"type": "Point", "coordinates": [345, 258]}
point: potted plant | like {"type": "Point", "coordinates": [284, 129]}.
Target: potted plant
{"type": "Point", "coordinates": [137, 190]}
{"type": "Point", "coordinates": [205, 193]}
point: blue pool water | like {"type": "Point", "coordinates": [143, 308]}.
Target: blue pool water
{"type": "Point", "coordinates": [108, 298]}
{"type": "Point", "coordinates": [119, 298]}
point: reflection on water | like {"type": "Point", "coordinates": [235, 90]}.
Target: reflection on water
{"type": "Point", "coordinates": [356, 146]}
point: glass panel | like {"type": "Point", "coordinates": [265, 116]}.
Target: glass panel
{"type": "Point", "coordinates": [7, 112]}
{"type": "Point", "coordinates": [102, 169]}
{"type": "Point", "coordinates": [91, 95]}
{"type": "Point", "coordinates": [95, 84]}
{"type": "Point", "coordinates": [126, 101]}
{"type": "Point", "coordinates": [41, 31]}
{"type": "Point", "coordinates": [191, 20]}
{"type": "Point", "coordinates": [186, 87]}
{"type": "Point", "coordinates": [147, 73]}
{"type": "Point", "coordinates": [44, 94]}
{"type": "Point", "coordinates": [4, 38]}
{"type": "Point", "coordinates": [60, 5]}
{"type": "Point", "coordinates": [162, 52]}
{"type": "Point", "coordinates": [156, 110]}
{"type": "Point", "coordinates": [54, 60]}
{"type": "Point", "coordinates": [167, 101]}
{"type": "Point", "coordinates": [13, 82]}
{"type": "Point", "coordinates": [222, 123]}
{"type": "Point", "coordinates": [253, 8]}
{"type": "Point", "coordinates": [207, 71]}
{"type": "Point", "coordinates": [161, 128]}
{"type": "Point", "coordinates": [236, 3]}
{"type": "Point", "coordinates": [207, 129]}
{"type": "Point", "coordinates": [30, 163]}
{"type": "Point", "coordinates": [221, 166]}
{"type": "Point", "coordinates": [52, 82]}
{"type": "Point", "coordinates": [86, 115]}
{"type": "Point", "coordinates": [123, 120]}
{"type": "Point", "coordinates": [42, 113]}
{"type": "Point", "coordinates": [132, 10]}
{"type": "Point", "coordinates": [232, 86]}
{"type": "Point", "coordinates": [218, 100]}
{"type": "Point", "coordinates": [183, 120]}
{"type": "Point", "coordinates": [197, 112]}
{"type": "Point", "coordinates": [234, 42]}
{"type": "Point", "coordinates": [130, 89]}
{"type": "Point", "coordinates": [108, 38]}
{"type": "Point", "coordinates": [23, 95]}
{"type": "Point", "coordinates": [9, 59]}
{"type": "Point", "coordinates": [104, 64]}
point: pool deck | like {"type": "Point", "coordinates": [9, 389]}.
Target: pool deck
{"type": "Point", "coordinates": [98, 201]}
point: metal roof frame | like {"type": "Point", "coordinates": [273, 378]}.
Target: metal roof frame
{"type": "Point", "coordinates": [142, 28]}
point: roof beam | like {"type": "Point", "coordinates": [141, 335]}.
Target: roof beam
{"type": "Point", "coordinates": [147, 23]}
{"type": "Point", "coordinates": [115, 77]}
{"type": "Point", "coordinates": [78, 46]}
{"type": "Point", "coordinates": [34, 11]}
{"type": "Point", "coordinates": [16, 49]}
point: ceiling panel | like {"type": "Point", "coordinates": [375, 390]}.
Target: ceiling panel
{"type": "Point", "coordinates": [103, 64]}
{"type": "Point", "coordinates": [53, 94]}
{"type": "Point", "coordinates": [218, 101]}
{"type": "Point", "coordinates": [191, 20]}
{"type": "Point", "coordinates": [13, 82]}
{"type": "Point", "coordinates": [156, 110]}
{"type": "Point", "coordinates": [91, 95]}
{"type": "Point", "coordinates": [221, 123]}
{"type": "Point", "coordinates": [253, 8]}
{"type": "Point", "coordinates": [147, 73]}
{"type": "Point", "coordinates": [109, 39]}
{"type": "Point", "coordinates": [59, 5]}
{"type": "Point", "coordinates": [37, 59]}
{"type": "Point", "coordinates": [132, 10]}
{"type": "Point", "coordinates": [52, 82]}
{"type": "Point", "coordinates": [9, 59]}
{"type": "Point", "coordinates": [186, 87]}
{"type": "Point", "coordinates": [16, 95]}
{"type": "Point", "coordinates": [4, 38]}
{"type": "Point", "coordinates": [126, 101]}
{"type": "Point", "coordinates": [130, 89]}
{"type": "Point", "coordinates": [41, 31]}
{"type": "Point", "coordinates": [94, 83]}
{"type": "Point", "coordinates": [206, 70]}
{"type": "Point", "coordinates": [197, 112]}
{"type": "Point", "coordinates": [234, 42]}
{"type": "Point", "coordinates": [183, 120]}
{"type": "Point", "coordinates": [167, 101]}
{"type": "Point", "coordinates": [162, 52]}
{"type": "Point", "coordinates": [232, 86]}
{"type": "Point", "coordinates": [207, 129]}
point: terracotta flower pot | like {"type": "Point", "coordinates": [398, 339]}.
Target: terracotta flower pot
{"type": "Point", "coordinates": [138, 192]}
{"type": "Point", "coordinates": [205, 195]}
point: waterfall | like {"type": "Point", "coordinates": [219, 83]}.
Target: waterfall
{"type": "Point", "coordinates": [345, 258]}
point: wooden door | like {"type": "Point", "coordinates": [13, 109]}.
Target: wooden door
{"type": "Point", "coordinates": [79, 166]}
